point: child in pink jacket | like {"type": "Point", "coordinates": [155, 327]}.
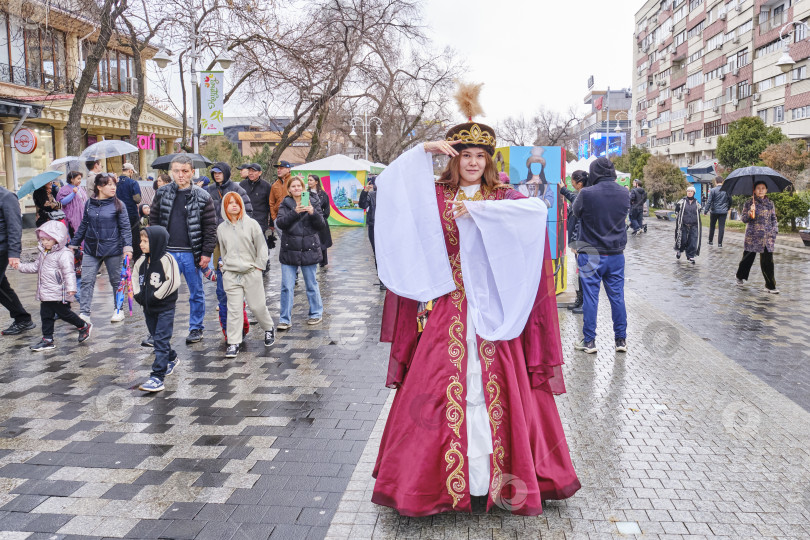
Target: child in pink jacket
{"type": "Point", "coordinates": [56, 283]}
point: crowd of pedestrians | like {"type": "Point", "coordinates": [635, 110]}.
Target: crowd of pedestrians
{"type": "Point", "coordinates": [597, 213]}
{"type": "Point", "coordinates": [222, 229]}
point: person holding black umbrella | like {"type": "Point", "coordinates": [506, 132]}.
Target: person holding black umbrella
{"type": "Point", "coordinates": [759, 215]}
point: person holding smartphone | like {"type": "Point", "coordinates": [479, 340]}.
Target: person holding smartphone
{"type": "Point", "coordinates": [301, 219]}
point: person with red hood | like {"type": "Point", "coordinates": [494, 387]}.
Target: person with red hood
{"type": "Point", "coordinates": [56, 283]}
{"type": "Point", "coordinates": [244, 254]}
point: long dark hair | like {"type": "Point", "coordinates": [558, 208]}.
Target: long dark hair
{"type": "Point", "coordinates": [102, 180]}
{"type": "Point", "coordinates": [317, 179]}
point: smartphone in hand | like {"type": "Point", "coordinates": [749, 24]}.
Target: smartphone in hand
{"type": "Point", "coordinates": [305, 198]}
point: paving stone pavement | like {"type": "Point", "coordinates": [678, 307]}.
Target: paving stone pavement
{"type": "Point", "coordinates": [261, 446]}
{"type": "Point", "coordinates": [674, 438]}
{"type": "Point", "coordinates": [767, 334]}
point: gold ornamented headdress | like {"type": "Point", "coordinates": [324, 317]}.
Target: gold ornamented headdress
{"type": "Point", "coordinates": [471, 134]}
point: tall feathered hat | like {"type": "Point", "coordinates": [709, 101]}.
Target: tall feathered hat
{"type": "Point", "coordinates": [471, 134]}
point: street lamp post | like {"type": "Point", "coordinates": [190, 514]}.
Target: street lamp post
{"type": "Point", "coordinates": [365, 123]}
{"type": "Point", "coordinates": [785, 62]}
{"type": "Point", "coordinates": [163, 58]}
{"type": "Point", "coordinates": [618, 128]}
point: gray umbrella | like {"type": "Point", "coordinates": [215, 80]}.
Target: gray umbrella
{"type": "Point", "coordinates": [741, 181]}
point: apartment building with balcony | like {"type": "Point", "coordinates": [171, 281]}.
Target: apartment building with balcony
{"type": "Point", "coordinates": [700, 64]}
{"type": "Point", "coordinates": [42, 54]}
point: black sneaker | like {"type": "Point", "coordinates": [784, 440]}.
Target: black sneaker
{"type": "Point", "coordinates": [691, 260]}
{"type": "Point", "coordinates": [269, 337]}
{"type": "Point", "coordinates": [18, 328]}
{"type": "Point", "coordinates": [678, 255]}
{"type": "Point", "coordinates": [194, 336]}
{"type": "Point", "coordinates": [645, 228]}
{"type": "Point", "coordinates": [711, 244]}
{"type": "Point", "coordinates": [43, 345]}
{"type": "Point", "coordinates": [621, 345]}
{"type": "Point", "coordinates": [148, 341]}
{"type": "Point", "coordinates": [719, 245]}
{"type": "Point", "coordinates": [84, 332]}
{"type": "Point", "coordinates": [231, 351]}
{"type": "Point", "coordinates": [586, 346]}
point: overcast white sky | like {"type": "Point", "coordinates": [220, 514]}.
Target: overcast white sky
{"type": "Point", "coordinates": [527, 53]}
{"type": "Point", "coordinates": [530, 53]}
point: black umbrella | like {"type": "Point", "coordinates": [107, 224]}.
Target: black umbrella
{"type": "Point", "coordinates": [164, 162]}
{"type": "Point", "coordinates": [741, 181]}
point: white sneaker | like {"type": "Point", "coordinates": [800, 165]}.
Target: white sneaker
{"type": "Point", "coordinates": [117, 316]}
{"type": "Point", "coordinates": [772, 291]}
{"type": "Point", "coordinates": [85, 317]}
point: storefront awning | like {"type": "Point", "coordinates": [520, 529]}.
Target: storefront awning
{"type": "Point", "coordinates": [16, 109]}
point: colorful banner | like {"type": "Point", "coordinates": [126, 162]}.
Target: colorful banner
{"type": "Point", "coordinates": [344, 189]}
{"type": "Point", "coordinates": [539, 171]}
{"type": "Point", "coordinates": [212, 103]}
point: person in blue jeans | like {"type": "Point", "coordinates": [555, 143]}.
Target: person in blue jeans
{"type": "Point", "coordinates": [602, 209]}
{"type": "Point", "coordinates": [187, 212]}
{"type": "Point", "coordinates": [156, 278]}
{"type": "Point", "coordinates": [300, 247]}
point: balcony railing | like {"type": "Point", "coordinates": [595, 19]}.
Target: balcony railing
{"type": "Point", "coordinates": [33, 79]}
{"type": "Point", "coordinates": [774, 22]}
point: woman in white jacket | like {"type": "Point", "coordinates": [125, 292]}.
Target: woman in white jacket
{"type": "Point", "coordinates": [243, 251]}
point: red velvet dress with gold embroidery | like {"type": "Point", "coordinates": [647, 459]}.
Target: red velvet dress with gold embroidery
{"type": "Point", "coordinates": [422, 464]}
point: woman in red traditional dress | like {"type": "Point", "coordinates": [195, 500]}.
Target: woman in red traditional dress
{"type": "Point", "coordinates": [475, 361]}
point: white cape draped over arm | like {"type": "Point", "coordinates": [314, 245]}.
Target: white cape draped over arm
{"type": "Point", "coordinates": [411, 255]}
{"type": "Point", "coordinates": [502, 248]}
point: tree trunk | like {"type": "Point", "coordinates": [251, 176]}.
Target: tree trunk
{"type": "Point", "coordinates": [315, 144]}
{"type": "Point", "coordinates": [135, 113]}
{"type": "Point", "coordinates": [110, 12]}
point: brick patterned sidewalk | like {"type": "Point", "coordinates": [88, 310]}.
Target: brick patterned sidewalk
{"type": "Point", "coordinates": [672, 440]}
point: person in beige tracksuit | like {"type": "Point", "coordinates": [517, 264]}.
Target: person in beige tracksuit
{"type": "Point", "coordinates": [243, 252]}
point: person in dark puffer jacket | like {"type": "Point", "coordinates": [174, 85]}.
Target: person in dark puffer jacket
{"type": "Point", "coordinates": [187, 212]}
{"type": "Point", "coordinates": [107, 237]}
{"type": "Point", "coordinates": [300, 246]}
{"type": "Point", "coordinates": [717, 204]}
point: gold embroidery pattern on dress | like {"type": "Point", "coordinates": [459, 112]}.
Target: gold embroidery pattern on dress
{"type": "Point", "coordinates": [457, 296]}
{"type": "Point", "coordinates": [447, 216]}
{"type": "Point", "coordinates": [497, 470]}
{"type": "Point", "coordinates": [456, 348]}
{"type": "Point", "coordinates": [495, 410]}
{"type": "Point", "coordinates": [487, 352]}
{"type": "Point", "coordinates": [455, 481]}
{"type": "Point", "coordinates": [454, 413]}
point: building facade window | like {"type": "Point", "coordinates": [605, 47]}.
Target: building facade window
{"type": "Point", "coordinates": [695, 30]}
{"type": "Point", "coordinates": [32, 56]}
{"type": "Point", "coordinates": [779, 113]}
{"type": "Point", "coordinates": [697, 55]}
{"type": "Point", "coordinates": [114, 69]}
{"type": "Point", "coordinates": [799, 113]}
{"type": "Point", "coordinates": [763, 115]}
{"type": "Point", "coordinates": [694, 80]}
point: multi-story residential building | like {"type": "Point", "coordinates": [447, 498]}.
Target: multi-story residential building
{"type": "Point", "coordinates": [700, 64]}
{"type": "Point", "coordinates": [41, 59]}
{"type": "Point", "coordinates": [605, 130]}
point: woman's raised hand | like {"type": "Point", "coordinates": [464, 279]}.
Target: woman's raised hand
{"type": "Point", "coordinates": [442, 147]}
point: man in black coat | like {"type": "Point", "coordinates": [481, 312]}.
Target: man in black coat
{"type": "Point", "coordinates": [259, 192]}
{"type": "Point", "coordinates": [10, 247]}
{"type": "Point", "coordinates": [637, 199]}
{"type": "Point", "coordinates": [717, 206]}
{"type": "Point", "coordinates": [187, 212]}
{"type": "Point", "coordinates": [601, 209]}
{"type": "Point", "coordinates": [368, 202]}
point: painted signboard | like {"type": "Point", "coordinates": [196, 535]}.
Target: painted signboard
{"type": "Point", "coordinates": [539, 171]}
{"type": "Point", "coordinates": [25, 140]}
